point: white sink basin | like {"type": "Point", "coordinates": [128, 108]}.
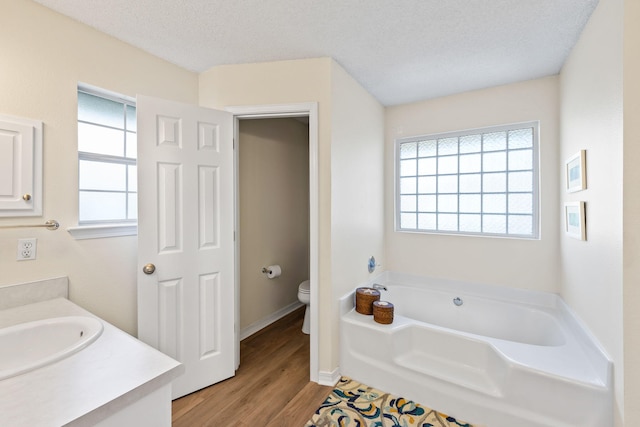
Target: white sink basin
{"type": "Point", "coordinates": [28, 346]}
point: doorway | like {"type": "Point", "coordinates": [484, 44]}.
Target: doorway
{"type": "Point", "coordinates": [307, 112]}
{"type": "Point", "coordinates": [273, 227]}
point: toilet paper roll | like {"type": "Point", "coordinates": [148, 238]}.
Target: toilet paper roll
{"type": "Point", "coordinates": [274, 271]}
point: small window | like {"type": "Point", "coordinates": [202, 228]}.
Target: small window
{"type": "Point", "coordinates": [479, 182]}
{"type": "Point", "coordinates": [106, 158]}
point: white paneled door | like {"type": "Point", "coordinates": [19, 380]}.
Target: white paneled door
{"type": "Point", "coordinates": [185, 238]}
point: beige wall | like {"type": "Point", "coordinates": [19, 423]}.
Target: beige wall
{"type": "Point", "coordinates": [631, 212]}
{"type": "Point", "coordinates": [530, 264]}
{"type": "Point", "coordinates": [44, 56]}
{"type": "Point", "coordinates": [357, 188]}
{"type": "Point", "coordinates": [338, 96]}
{"type": "Point", "coordinates": [287, 82]}
{"type": "Point", "coordinates": [591, 112]}
{"type": "Point", "coordinates": [274, 214]}
{"type": "Point", "coordinates": [49, 54]}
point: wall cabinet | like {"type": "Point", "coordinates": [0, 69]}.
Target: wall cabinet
{"type": "Point", "coordinates": [20, 167]}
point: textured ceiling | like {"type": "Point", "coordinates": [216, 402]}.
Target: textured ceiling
{"type": "Point", "coordinates": [400, 50]}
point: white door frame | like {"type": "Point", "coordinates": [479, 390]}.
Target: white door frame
{"type": "Point", "coordinates": [309, 109]}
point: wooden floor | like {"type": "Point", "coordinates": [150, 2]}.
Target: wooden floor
{"type": "Point", "coordinates": [271, 388]}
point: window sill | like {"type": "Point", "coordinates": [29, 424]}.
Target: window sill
{"type": "Point", "coordinates": [82, 232]}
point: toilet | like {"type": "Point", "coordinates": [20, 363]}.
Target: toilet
{"type": "Point", "coordinates": [304, 297]}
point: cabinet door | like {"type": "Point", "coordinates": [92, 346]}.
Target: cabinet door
{"type": "Point", "coordinates": [20, 167]}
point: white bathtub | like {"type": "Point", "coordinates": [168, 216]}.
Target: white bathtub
{"type": "Point", "coordinates": [503, 358]}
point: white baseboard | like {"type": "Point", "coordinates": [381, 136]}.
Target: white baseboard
{"type": "Point", "coordinates": [263, 323]}
{"type": "Point", "coordinates": [329, 378]}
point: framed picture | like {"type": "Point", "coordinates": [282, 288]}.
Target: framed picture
{"type": "Point", "coordinates": [574, 220]}
{"type": "Point", "coordinates": [576, 172]}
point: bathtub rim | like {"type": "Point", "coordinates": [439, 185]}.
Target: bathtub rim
{"type": "Point", "coordinates": [593, 353]}
{"type": "Point", "coordinates": [548, 301]}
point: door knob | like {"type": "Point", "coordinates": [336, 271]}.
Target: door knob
{"type": "Point", "coordinates": [148, 269]}
{"type": "Point", "coordinates": [26, 197]}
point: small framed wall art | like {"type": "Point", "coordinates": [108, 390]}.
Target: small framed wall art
{"type": "Point", "coordinates": [576, 172]}
{"type": "Point", "coordinates": [574, 220]}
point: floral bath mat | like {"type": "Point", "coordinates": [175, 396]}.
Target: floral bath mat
{"type": "Point", "coordinates": [352, 404]}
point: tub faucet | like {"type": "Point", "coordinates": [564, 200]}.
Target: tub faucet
{"type": "Point", "coordinates": [379, 287]}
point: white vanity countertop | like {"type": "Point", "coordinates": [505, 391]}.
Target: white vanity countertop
{"type": "Point", "coordinates": [87, 386]}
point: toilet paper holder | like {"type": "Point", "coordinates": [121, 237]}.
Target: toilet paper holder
{"type": "Point", "coordinates": [273, 271]}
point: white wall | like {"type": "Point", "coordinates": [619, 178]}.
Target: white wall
{"type": "Point", "coordinates": [631, 212]}
{"type": "Point", "coordinates": [530, 264]}
{"type": "Point", "coordinates": [274, 214]}
{"type": "Point", "coordinates": [286, 82]}
{"type": "Point", "coordinates": [349, 120]}
{"type": "Point", "coordinates": [591, 112]}
{"type": "Point", "coordinates": [44, 56]}
{"type": "Point", "coordinates": [357, 188]}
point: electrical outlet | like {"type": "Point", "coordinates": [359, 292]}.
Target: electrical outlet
{"type": "Point", "coordinates": [27, 249]}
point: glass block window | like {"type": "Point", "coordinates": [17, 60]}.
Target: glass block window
{"type": "Point", "coordinates": [479, 182]}
{"type": "Point", "coordinates": [106, 158]}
